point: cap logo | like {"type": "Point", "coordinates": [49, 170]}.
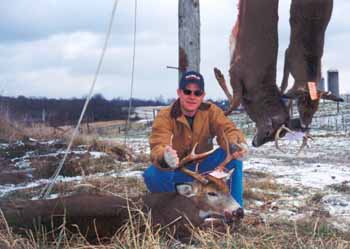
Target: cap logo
{"type": "Point", "coordinates": [192, 77]}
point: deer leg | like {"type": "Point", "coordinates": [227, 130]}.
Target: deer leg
{"type": "Point", "coordinates": [286, 72]}
{"type": "Point", "coordinates": [222, 82]}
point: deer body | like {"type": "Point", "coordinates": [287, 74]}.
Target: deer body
{"type": "Point", "coordinates": [97, 216]}
{"type": "Point", "coordinates": [104, 215]}
{"type": "Point", "coordinates": [253, 47]}
{"type": "Point", "coordinates": [308, 20]}
{"type": "Point", "coordinates": [253, 68]}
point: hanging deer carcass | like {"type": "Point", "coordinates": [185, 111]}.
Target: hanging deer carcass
{"type": "Point", "coordinates": [97, 216]}
{"type": "Point", "coordinates": [308, 21]}
{"type": "Point", "coordinates": [253, 68]}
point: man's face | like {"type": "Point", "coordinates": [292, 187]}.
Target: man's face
{"type": "Point", "coordinates": [188, 100]}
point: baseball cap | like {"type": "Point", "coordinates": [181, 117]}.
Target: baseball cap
{"type": "Point", "coordinates": [191, 77]}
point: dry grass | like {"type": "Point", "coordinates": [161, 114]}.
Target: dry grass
{"type": "Point", "coordinates": [9, 131]}
{"type": "Point", "coordinates": [316, 198]}
{"type": "Point", "coordinates": [106, 128]}
{"type": "Point", "coordinates": [313, 232]}
{"type": "Point", "coordinates": [121, 186]}
{"type": "Point", "coordinates": [306, 234]}
{"type": "Point", "coordinates": [139, 233]}
{"type": "Point", "coordinates": [343, 187]}
{"type": "Point", "coordinates": [261, 187]}
{"type": "Point", "coordinates": [116, 149]}
{"type": "Point", "coordinates": [44, 132]}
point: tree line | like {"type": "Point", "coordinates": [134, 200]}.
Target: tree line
{"type": "Point", "coordinates": [57, 112]}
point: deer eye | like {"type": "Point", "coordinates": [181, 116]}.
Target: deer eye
{"type": "Point", "coordinates": [212, 194]}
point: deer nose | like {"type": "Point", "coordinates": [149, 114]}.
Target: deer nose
{"type": "Point", "coordinates": [238, 214]}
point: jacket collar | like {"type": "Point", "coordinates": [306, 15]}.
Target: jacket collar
{"type": "Point", "coordinates": [176, 112]}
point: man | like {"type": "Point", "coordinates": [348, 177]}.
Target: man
{"type": "Point", "coordinates": [179, 127]}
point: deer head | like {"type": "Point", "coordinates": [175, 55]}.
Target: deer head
{"type": "Point", "coordinates": [267, 111]}
{"type": "Point", "coordinates": [307, 107]}
{"type": "Point", "coordinates": [211, 201]}
{"type": "Point", "coordinates": [210, 194]}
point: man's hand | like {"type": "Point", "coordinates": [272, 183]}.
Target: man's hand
{"type": "Point", "coordinates": [170, 157]}
{"type": "Point", "coordinates": [239, 152]}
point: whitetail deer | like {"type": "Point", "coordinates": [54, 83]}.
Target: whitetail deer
{"type": "Point", "coordinates": [308, 21]}
{"type": "Point", "coordinates": [200, 202]}
{"type": "Point", "coordinates": [253, 65]}
{"type": "Point", "coordinates": [253, 68]}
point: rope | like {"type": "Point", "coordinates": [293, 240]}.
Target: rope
{"type": "Point", "coordinates": [47, 189]}
{"type": "Point", "coordinates": [132, 74]}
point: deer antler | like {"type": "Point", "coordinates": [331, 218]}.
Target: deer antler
{"type": "Point", "coordinates": [234, 100]}
{"type": "Point", "coordinates": [229, 157]}
{"type": "Point", "coordinates": [306, 137]}
{"type": "Point", "coordinates": [277, 137]}
{"type": "Point", "coordinates": [193, 157]}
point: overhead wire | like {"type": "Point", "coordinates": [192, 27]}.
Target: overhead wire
{"type": "Point", "coordinates": [132, 75]}
{"type": "Point", "coordinates": [48, 188]}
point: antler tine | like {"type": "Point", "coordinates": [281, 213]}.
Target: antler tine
{"type": "Point", "coordinates": [277, 136]}
{"type": "Point", "coordinates": [197, 167]}
{"type": "Point", "coordinates": [304, 143]}
{"type": "Point", "coordinates": [229, 156]}
{"type": "Point", "coordinates": [194, 157]}
{"type": "Point", "coordinates": [302, 146]}
{"type": "Point", "coordinates": [195, 175]}
{"type": "Point", "coordinates": [219, 183]}
{"type": "Point", "coordinates": [305, 139]}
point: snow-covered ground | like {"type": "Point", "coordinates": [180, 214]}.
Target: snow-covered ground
{"type": "Point", "coordinates": [323, 167]}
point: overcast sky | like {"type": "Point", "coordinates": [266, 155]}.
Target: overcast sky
{"type": "Point", "coordinates": [50, 48]}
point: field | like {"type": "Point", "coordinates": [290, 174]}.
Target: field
{"type": "Point", "coordinates": [290, 201]}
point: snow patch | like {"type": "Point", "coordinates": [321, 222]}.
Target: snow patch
{"type": "Point", "coordinates": [97, 154]}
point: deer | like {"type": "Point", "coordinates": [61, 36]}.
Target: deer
{"type": "Point", "coordinates": [253, 46]}
{"type": "Point", "coordinates": [201, 203]}
{"type": "Point", "coordinates": [308, 21]}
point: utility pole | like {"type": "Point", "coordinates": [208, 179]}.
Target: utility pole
{"type": "Point", "coordinates": [189, 36]}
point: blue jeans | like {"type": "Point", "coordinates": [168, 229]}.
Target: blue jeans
{"type": "Point", "coordinates": [158, 180]}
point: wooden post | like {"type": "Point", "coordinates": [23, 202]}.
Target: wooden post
{"type": "Point", "coordinates": [338, 109]}
{"type": "Point", "coordinates": [189, 36]}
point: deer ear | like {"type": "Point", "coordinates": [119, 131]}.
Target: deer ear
{"type": "Point", "coordinates": [185, 189]}
{"type": "Point", "coordinates": [229, 174]}
{"type": "Point", "coordinates": [330, 96]}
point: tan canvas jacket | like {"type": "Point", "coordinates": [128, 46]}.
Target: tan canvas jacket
{"type": "Point", "coordinates": [206, 125]}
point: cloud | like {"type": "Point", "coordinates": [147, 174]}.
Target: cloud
{"type": "Point", "coordinates": [51, 47]}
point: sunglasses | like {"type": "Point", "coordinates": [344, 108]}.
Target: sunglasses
{"type": "Point", "coordinates": [197, 93]}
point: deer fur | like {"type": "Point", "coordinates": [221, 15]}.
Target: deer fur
{"type": "Point", "coordinates": [308, 21]}
{"type": "Point", "coordinates": [253, 68]}
{"type": "Point", "coordinates": [101, 216]}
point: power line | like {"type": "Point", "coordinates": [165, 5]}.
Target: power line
{"type": "Point", "coordinates": [132, 74]}
{"type": "Point", "coordinates": [47, 189]}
